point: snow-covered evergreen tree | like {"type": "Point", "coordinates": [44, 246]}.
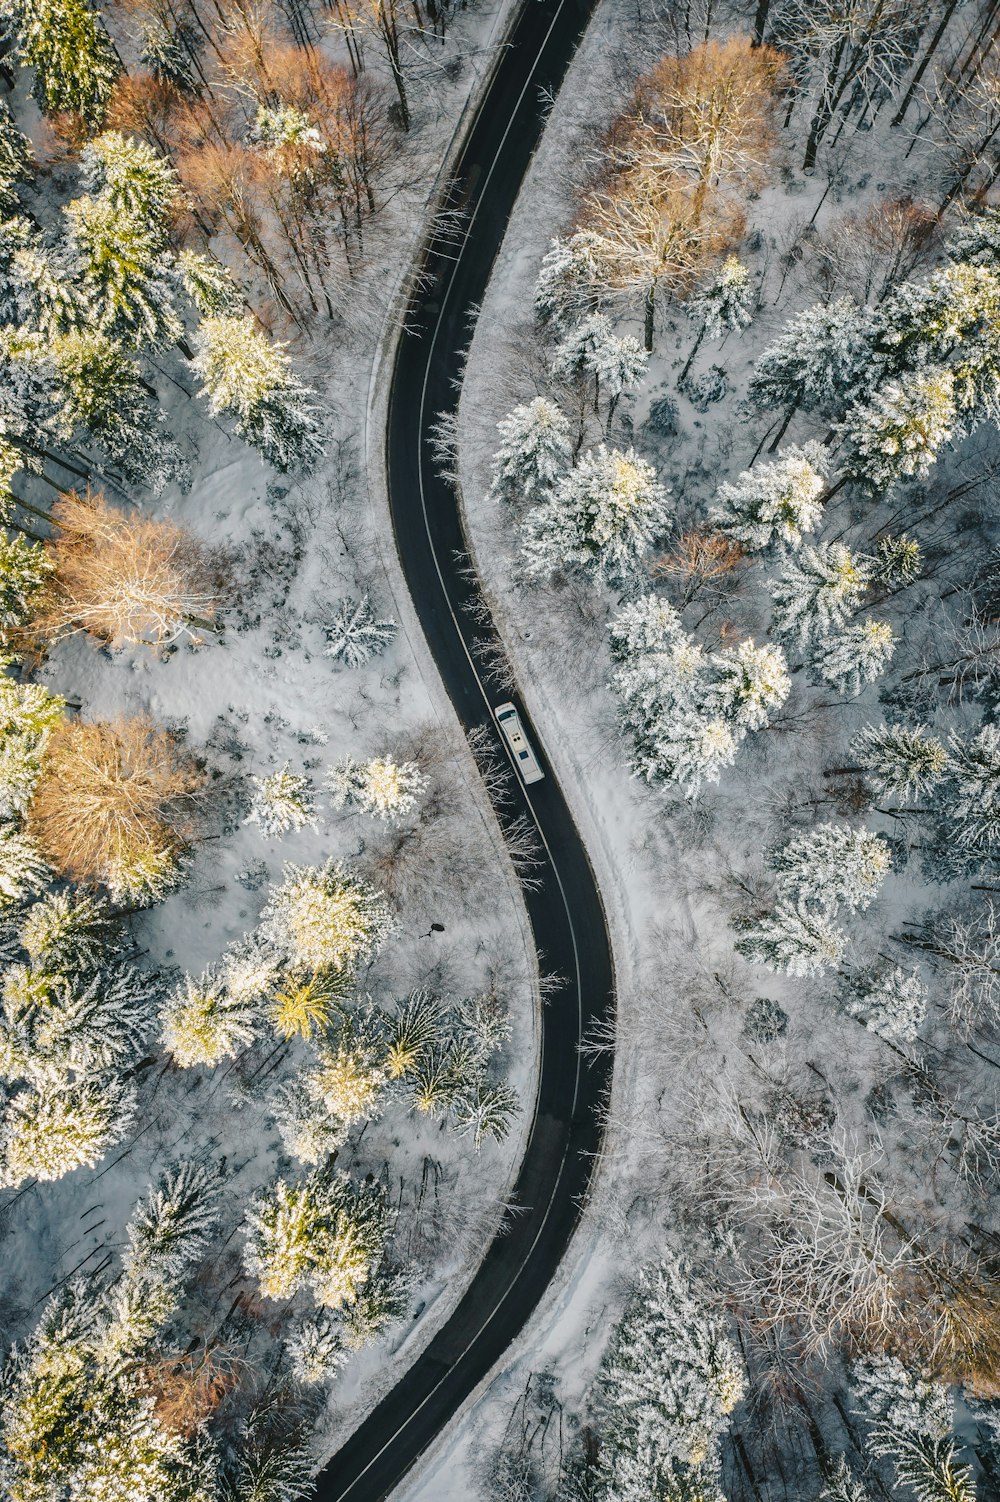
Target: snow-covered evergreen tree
{"type": "Point", "coordinates": [308, 1001]}
{"type": "Point", "coordinates": [896, 560]}
{"type": "Point", "coordinates": [900, 760]}
{"type": "Point", "coordinates": [246, 376]}
{"type": "Point", "coordinates": [74, 61]}
{"type": "Point", "coordinates": [315, 1349]}
{"type": "Point", "coordinates": [282, 802]}
{"type": "Point", "coordinates": [22, 869]}
{"type": "Point", "coordinates": [327, 918]}
{"type": "Point", "coordinates": [326, 1233]}
{"type": "Point", "coordinates": [15, 160]}
{"type": "Point", "coordinates": [665, 1392]}
{"type": "Point", "coordinates": [309, 1132]}
{"type": "Point", "coordinates": [592, 348]}
{"type": "Point", "coordinates": [686, 711]}
{"type": "Point", "coordinates": [48, 1132]}
{"type": "Point", "coordinates": [27, 714]}
{"type": "Point", "coordinates": [833, 866]}
{"type": "Point", "coordinates": [68, 933]}
{"type": "Point", "coordinates": [354, 633]}
{"type": "Point", "coordinates": [572, 277]}
{"type": "Point", "coordinates": [725, 302]}
{"type": "Point", "coordinates": [898, 432]}
{"type": "Point", "coordinates": [891, 1002]}
{"type": "Point", "coordinates": [601, 518]}
{"type": "Point", "coordinates": [855, 656]}
{"type": "Point", "coordinates": [818, 590]}
{"type": "Point", "coordinates": [911, 1416]}
{"type": "Point", "coordinates": [131, 176]}
{"type": "Point", "coordinates": [123, 272]}
{"type": "Point", "coordinates": [102, 392]}
{"type": "Point", "coordinates": [775, 503]}
{"type": "Point", "coordinates": [822, 361]}
{"type": "Point", "coordinates": [971, 790]}
{"type": "Point", "coordinates": [534, 452]}
{"type": "Point", "coordinates": [841, 1486]}
{"type": "Point", "coordinates": [793, 939]}
{"type": "Point", "coordinates": [24, 572]}
{"type": "Point", "coordinates": [204, 1021]}
{"type": "Point", "coordinates": [749, 682]}
{"type": "Point", "coordinates": [383, 787]}
{"type": "Point", "coordinates": [209, 284]}
{"type": "Point", "coordinates": [54, 1027]}
{"type": "Point", "coordinates": [172, 1226]}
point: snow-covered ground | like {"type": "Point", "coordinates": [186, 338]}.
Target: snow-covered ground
{"type": "Point", "coordinates": [673, 872]}
{"type": "Point", "coordinates": [264, 694]}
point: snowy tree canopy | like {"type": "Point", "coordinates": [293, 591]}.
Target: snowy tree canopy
{"type": "Point", "coordinates": [246, 376]}
{"type": "Point", "coordinates": [534, 452]}
{"type": "Point", "coordinates": [50, 1131]}
{"type": "Point", "coordinates": [817, 591]}
{"type": "Point", "coordinates": [282, 802]}
{"type": "Point", "coordinates": [898, 433]}
{"type": "Point", "coordinates": [593, 348]}
{"type": "Point", "coordinates": [821, 361]}
{"type": "Point", "coordinates": [572, 277]}
{"type": "Point", "coordinates": [892, 1003]}
{"type": "Point", "coordinates": [855, 656]}
{"type": "Point", "coordinates": [383, 787]}
{"type": "Point", "coordinates": [206, 1020]}
{"type": "Point", "coordinates": [774, 503]}
{"type": "Point", "coordinates": [725, 302]}
{"type": "Point", "coordinates": [326, 917]}
{"type": "Point", "coordinates": [664, 1394]}
{"type": "Point", "coordinates": [122, 272]}
{"type": "Point", "coordinates": [325, 1233]}
{"type": "Point", "coordinates": [355, 635]}
{"type": "Point", "coordinates": [903, 760]}
{"type": "Point", "coordinates": [833, 866]}
{"type": "Point", "coordinates": [687, 710]}
{"type": "Point", "coordinates": [601, 517]}
{"type": "Point", "coordinates": [74, 61]}
{"type": "Point", "coordinates": [794, 939]}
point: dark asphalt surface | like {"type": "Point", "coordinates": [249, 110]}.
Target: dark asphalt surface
{"type": "Point", "coordinates": [565, 911]}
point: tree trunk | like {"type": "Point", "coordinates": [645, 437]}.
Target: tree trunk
{"type": "Point", "coordinates": [932, 47]}
{"type": "Point", "coordinates": [650, 311]}
{"type": "Point", "coordinates": [760, 21]}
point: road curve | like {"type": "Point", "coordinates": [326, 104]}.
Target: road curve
{"type": "Point", "coordinates": [565, 909]}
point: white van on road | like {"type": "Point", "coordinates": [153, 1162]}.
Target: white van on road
{"type": "Point", "coordinates": [513, 733]}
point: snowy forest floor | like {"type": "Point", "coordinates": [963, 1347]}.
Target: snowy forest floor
{"type": "Point", "coordinates": [265, 694]}
{"type": "Point", "coordinates": [673, 872]}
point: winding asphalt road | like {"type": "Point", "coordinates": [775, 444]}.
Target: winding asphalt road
{"type": "Point", "coordinates": [565, 910]}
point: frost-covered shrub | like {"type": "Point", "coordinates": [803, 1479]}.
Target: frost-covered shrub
{"type": "Point", "coordinates": [282, 802]}
{"type": "Point", "coordinates": [355, 635]}
{"type": "Point", "coordinates": [710, 387]}
{"type": "Point", "coordinates": [764, 1020]}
